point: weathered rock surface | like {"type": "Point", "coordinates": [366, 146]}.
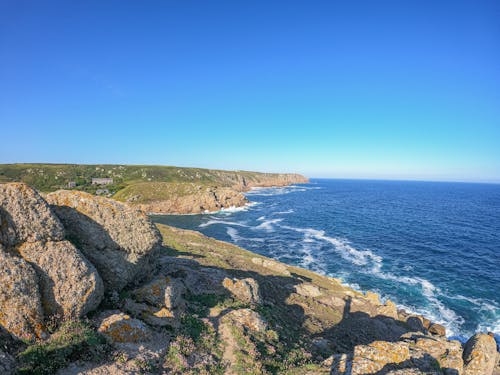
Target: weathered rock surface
{"type": "Point", "coordinates": [6, 363]}
{"type": "Point", "coordinates": [369, 359]}
{"type": "Point", "coordinates": [437, 329]}
{"type": "Point", "coordinates": [21, 311]}
{"type": "Point", "coordinates": [244, 290]}
{"type": "Point", "coordinates": [69, 283]}
{"type": "Point", "coordinates": [120, 327]}
{"type": "Point", "coordinates": [161, 292]}
{"type": "Point", "coordinates": [121, 242]}
{"type": "Point", "coordinates": [480, 355]}
{"type": "Point", "coordinates": [25, 216]}
{"type": "Point", "coordinates": [202, 199]}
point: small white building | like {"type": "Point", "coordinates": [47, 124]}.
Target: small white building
{"type": "Point", "coordinates": [71, 184]}
{"type": "Point", "coordinates": [102, 181]}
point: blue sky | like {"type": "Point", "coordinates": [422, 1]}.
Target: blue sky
{"type": "Point", "coordinates": [355, 89]}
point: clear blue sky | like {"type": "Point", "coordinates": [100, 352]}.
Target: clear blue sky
{"type": "Point", "coordinates": [365, 89]}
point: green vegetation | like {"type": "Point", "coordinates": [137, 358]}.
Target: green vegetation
{"type": "Point", "coordinates": [50, 177]}
{"type": "Point", "coordinates": [74, 340]}
{"type": "Point", "coordinates": [147, 192]}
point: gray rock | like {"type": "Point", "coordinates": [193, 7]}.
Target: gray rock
{"type": "Point", "coordinates": [436, 329]}
{"type": "Point", "coordinates": [162, 291]}
{"type": "Point", "coordinates": [121, 328]}
{"type": "Point", "coordinates": [69, 283]}
{"type": "Point", "coordinates": [25, 216]}
{"type": "Point", "coordinates": [21, 311]}
{"type": "Point", "coordinates": [244, 290]}
{"type": "Point", "coordinates": [480, 355]}
{"type": "Point", "coordinates": [121, 242]}
{"type": "Point", "coordinates": [6, 363]}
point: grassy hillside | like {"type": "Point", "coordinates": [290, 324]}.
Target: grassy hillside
{"type": "Point", "coordinates": [50, 177]}
{"type": "Point", "coordinates": [145, 192]}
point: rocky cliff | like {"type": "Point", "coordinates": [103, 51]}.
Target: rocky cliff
{"type": "Point", "coordinates": [89, 286]}
{"type": "Point", "coordinates": [180, 198]}
{"type": "Point", "coordinates": [151, 189]}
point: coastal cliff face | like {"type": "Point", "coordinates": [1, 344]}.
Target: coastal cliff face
{"type": "Point", "coordinates": [166, 300]}
{"type": "Point", "coordinates": [180, 198]}
{"type": "Point", "coordinates": [151, 189]}
{"type": "Point", "coordinates": [196, 197]}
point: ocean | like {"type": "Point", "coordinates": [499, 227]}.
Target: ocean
{"type": "Point", "coordinates": [431, 247]}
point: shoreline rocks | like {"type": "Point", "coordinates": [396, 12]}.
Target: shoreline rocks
{"type": "Point", "coordinates": [216, 301]}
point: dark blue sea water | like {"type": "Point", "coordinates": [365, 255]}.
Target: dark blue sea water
{"type": "Point", "coordinates": [433, 248]}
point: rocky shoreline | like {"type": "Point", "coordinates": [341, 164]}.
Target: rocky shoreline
{"type": "Point", "coordinates": [89, 285]}
{"type": "Point", "coordinates": [195, 198]}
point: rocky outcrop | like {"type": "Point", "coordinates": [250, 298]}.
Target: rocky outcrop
{"type": "Point", "coordinates": [244, 290]}
{"type": "Point", "coordinates": [21, 311]}
{"type": "Point", "coordinates": [69, 283]}
{"type": "Point", "coordinates": [243, 181]}
{"type": "Point", "coordinates": [44, 277]}
{"type": "Point", "coordinates": [122, 328]}
{"type": "Point", "coordinates": [120, 241]}
{"type": "Point", "coordinates": [206, 306]}
{"type": "Point", "coordinates": [26, 217]}
{"type": "Point", "coordinates": [199, 199]}
{"type": "Point", "coordinates": [44, 274]}
{"type": "Point", "coordinates": [480, 355]}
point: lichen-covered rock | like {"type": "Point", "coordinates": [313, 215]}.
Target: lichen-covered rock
{"type": "Point", "coordinates": [21, 311]}
{"type": "Point", "coordinates": [340, 364]}
{"type": "Point", "coordinates": [244, 290]}
{"type": "Point", "coordinates": [69, 283]}
{"type": "Point", "coordinates": [6, 363]}
{"type": "Point", "coordinates": [436, 329]}
{"type": "Point", "coordinates": [199, 199]}
{"type": "Point", "coordinates": [122, 328]}
{"type": "Point", "coordinates": [368, 359]}
{"type": "Point", "coordinates": [121, 242]}
{"type": "Point", "coordinates": [480, 355]}
{"type": "Point", "coordinates": [272, 265]}
{"type": "Point", "coordinates": [307, 290]}
{"type": "Point", "coordinates": [25, 216]}
{"type": "Point", "coordinates": [162, 291]}
{"type": "Point", "coordinates": [427, 350]}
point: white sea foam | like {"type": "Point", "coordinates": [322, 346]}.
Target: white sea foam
{"type": "Point", "coordinates": [284, 212]}
{"type": "Point", "coordinates": [278, 190]}
{"type": "Point", "coordinates": [348, 252]}
{"type": "Point", "coordinates": [222, 222]}
{"type": "Point", "coordinates": [233, 209]}
{"type": "Point", "coordinates": [268, 225]}
{"type": "Point", "coordinates": [233, 233]}
{"type": "Point", "coordinates": [371, 263]}
{"type": "Point", "coordinates": [235, 236]}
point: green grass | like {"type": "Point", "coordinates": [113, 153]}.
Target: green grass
{"type": "Point", "coordinates": [147, 192]}
{"type": "Point", "coordinates": [50, 177]}
{"type": "Point", "coordinates": [75, 340]}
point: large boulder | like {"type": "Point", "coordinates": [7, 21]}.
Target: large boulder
{"type": "Point", "coordinates": [480, 355]}
{"type": "Point", "coordinates": [69, 283]}
{"type": "Point", "coordinates": [369, 359]}
{"type": "Point", "coordinates": [121, 328]}
{"type": "Point", "coordinates": [244, 290]}
{"type": "Point", "coordinates": [21, 311]}
{"type": "Point", "coordinates": [25, 216]}
{"type": "Point", "coordinates": [120, 241]}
